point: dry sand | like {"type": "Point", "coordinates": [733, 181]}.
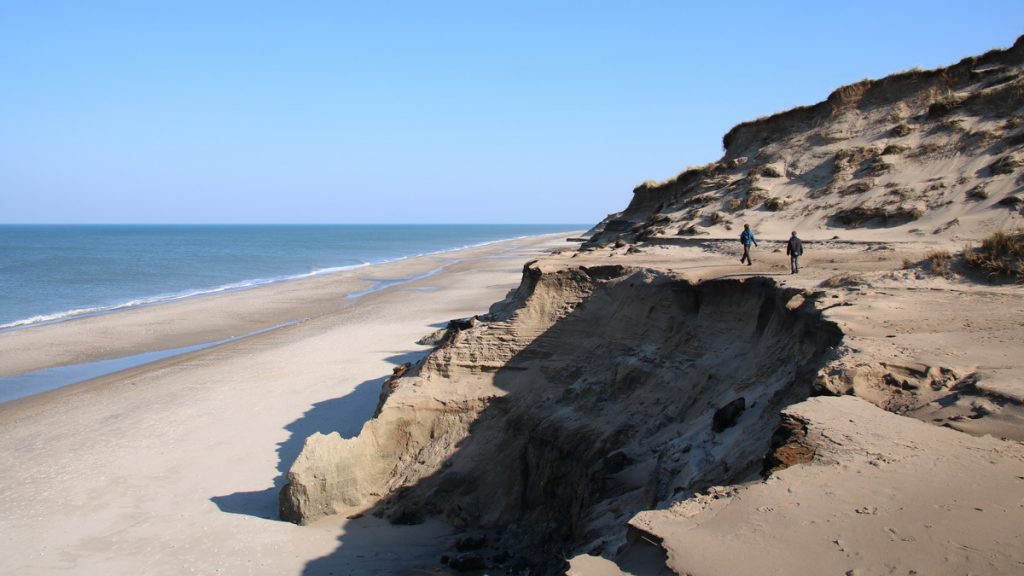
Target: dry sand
{"type": "Point", "coordinates": [885, 495]}
{"type": "Point", "coordinates": [175, 467]}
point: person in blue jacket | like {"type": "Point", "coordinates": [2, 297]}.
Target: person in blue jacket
{"type": "Point", "coordinates": [747, 238]}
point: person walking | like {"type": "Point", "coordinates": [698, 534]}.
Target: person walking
{"type": "Point", "coordinates": [747, 238]}
{"type": "Point", "coordinates": [794, 249]}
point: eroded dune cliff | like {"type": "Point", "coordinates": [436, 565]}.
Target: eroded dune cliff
{"type": "Point", "coordinates": [592, 393]}
{"type": "Point", "coordinates": [628, 397]}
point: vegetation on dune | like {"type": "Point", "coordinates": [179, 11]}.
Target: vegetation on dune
{"type": "Point", "coordinates": [845, 279]}
{"type": "Point", "coordinates": [1001, 255]}
{"type": "Point", "coordinates": [901, 129]}
{"type": "Point", "coordinates": [894, 149]}
{"type": "Point", "coordinates": [755, 198]}
{"type": "Point", "coordinates": [775, 204]}
{"type": "Point", "coordinates": [939, 261]}
{"type": "Point", "coordinates": [944, 106]}
{"type": "Point", "coordinates": [1005, 165]}
{"type": "Point", "coordinates": [978, 192]}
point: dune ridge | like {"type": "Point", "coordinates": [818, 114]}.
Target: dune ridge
{"type": "Point", "coordinates": [939, 148]}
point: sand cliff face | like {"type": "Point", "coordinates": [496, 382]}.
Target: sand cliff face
{"type": "Point", "coordinates": [592, 393]}
{"type": "Point", "coordinates": [612, 399]}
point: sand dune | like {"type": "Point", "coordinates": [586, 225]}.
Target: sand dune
{"type": "Point", "coordinates": [641, 406]}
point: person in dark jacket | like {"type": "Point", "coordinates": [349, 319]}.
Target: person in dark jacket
{"type": "Point", "coordinates": [747, 238]}
{"type": "Point", "coordinates": [794, 249]}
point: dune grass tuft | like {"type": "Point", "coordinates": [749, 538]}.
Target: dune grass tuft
{"type": "Point", "coordinates": [1001, 255]}
{"type": "Point", "coordinates": [894, 149]}
{"type": "Point", "coordinates": [1005, 165]}
{"type": "Point", "coordinates": [901, 129]}
{"type": "Point", "coordinates": [939, 261]}
{"type": "Point", "coordinates": [978, 192]}
{"type": "Point", "coordinates": [774, 204]}
{"type": "Point", "coordinates": [845, 279]}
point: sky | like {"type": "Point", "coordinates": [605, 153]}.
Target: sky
{"type": "Point", "coordinates": [417, 112]}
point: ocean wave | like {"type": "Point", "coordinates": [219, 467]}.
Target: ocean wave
{"type": "Point", "coordinates": [243, 285]}
{"type": "Point", "coordinates": [165, 298]}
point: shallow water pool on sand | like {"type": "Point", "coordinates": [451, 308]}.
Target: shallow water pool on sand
{"type": "Point", "coordinates": [39, 381]}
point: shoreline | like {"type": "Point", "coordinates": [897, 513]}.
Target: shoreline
{"type": "Point", "coordinates": [235, 286]}
{"type": "Point", "coordinates": [216, 316]}
{"type": "Point", "coordinates": [175, 465]}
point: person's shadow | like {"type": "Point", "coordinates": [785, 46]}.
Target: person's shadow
{"type": "Point", "coordinates": [345, 415]}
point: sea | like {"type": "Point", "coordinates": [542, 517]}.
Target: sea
{"type": "Point", "coordinates": [51, 273]}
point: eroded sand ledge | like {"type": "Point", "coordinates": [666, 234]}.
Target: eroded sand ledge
{"type": "Point", "coordinates": [591, 393]}
{"type": "Point", "coordinates": [884, 494]}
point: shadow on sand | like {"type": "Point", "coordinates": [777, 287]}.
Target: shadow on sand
{"type": "Point", "coordinates": [345, 415]}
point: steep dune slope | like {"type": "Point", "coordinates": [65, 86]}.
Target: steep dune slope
{"type": "Point", "coordinates": [926, 152]}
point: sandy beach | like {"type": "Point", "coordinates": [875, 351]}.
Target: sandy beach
{"type": "Point", "coordinates": [174, 467]}
{"type": "Point", "coordinates": [845, 398]}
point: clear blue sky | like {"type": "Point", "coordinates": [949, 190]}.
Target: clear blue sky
{"type": "Point", "coordinates": [417, 111]}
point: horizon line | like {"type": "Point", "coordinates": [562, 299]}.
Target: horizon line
{"type": "Point", "coordinates": [291, 223]}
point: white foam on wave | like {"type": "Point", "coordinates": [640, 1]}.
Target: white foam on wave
{"type": "Point", "coordinates": [242, 285]}
{"type": "Point", "coordinates": [164, 298]}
